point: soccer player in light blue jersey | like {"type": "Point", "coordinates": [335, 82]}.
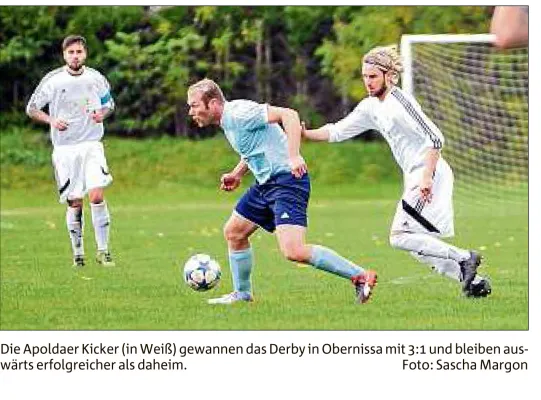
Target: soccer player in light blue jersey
{"type": "Point", "coordinates": [278, 200]}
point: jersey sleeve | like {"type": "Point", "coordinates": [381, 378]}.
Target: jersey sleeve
{"type": "Point", "coordinates": [250, 115]}
{"type": "Point", "coordinates": [104, 93]}
{"type": "Point", "coordinates": [42, 96]}
{"type": "Point", "coordinates": [358, 121]}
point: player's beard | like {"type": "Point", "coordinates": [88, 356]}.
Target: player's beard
{"type": "Point", "coordinates": [76, 66]}
{"type": "Point", "coordinates": [381, 91]}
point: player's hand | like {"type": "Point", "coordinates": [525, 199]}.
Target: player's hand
{"type": "Point", "coordinates": [97, 116]}
{"type": "Point", "coordinates": [426, 189]}
{"type": "Point", "coordinates": [59, 124]}
{"type": "Point", "coordinates": [298, 166]}
{"type": "Point", "coordinates": [303, 129]}
{"type": "Point", "coordinates": [229, 182]}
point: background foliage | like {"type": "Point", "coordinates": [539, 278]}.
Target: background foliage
{"type": "Point", "coordinates": [305, 57]}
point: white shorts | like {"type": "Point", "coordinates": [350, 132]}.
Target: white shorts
{"type": "Point", "coordinates": [79, 168]}
{"type": "Point", "coordinates": [436, 217]}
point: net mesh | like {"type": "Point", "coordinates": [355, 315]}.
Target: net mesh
{"type": "Point", "coordinates": [478, 96]}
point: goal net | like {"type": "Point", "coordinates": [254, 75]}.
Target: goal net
{"type": "Point", "coordinates": [478, 96]}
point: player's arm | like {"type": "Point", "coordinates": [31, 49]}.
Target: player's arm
{"type": "Point", "coordinates": [355, 123]}
{"type": "Point", "coordinates": [231, 180]}
{"type": "Point", "coordinates": [510, 25]}
{"type": "Point", "coordinates": [318, 135]}
{"type": "Point", "coordinates": [106, 101]}
{"type": "Point", "coordinates": [292, 126]}
{"type": "Point", "coordinates": [38, 115]}
{"type": "Point", "coordinates": [106, 112]}
{"type": "Point", "coordinates": [240, 169]}
{"type": "Point", "coordinates": [434, 142]}
{"type": "Point", "coordinates": [39, 99]}
{"type": "Point", "coordinates": [431, 160]}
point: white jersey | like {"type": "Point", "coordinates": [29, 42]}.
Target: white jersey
{"type": "Point", "coordinates": [399, 118]}
{"type": "Point", "coordinates": [73, 98]}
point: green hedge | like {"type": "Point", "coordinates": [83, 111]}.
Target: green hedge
{"type": "Point", "coordinates": [26, 161]}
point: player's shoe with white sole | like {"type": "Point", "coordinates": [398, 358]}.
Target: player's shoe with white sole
{"type": "Point", "coordinates": [468, 269]}
{"type": "Point", "coordinates": [105, 259]}
{"type": "Point", "coordinates": [231, 298]}
{"type": "Point", "coordinates": [78, 262]}
{"type": "Point", "coordinates": [480, 289]}
{"type": "Point", "coordinates": [364, 285]}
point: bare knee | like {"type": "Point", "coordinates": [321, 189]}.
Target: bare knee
{"type": "Point", "coordinates": [77, 203]}
{"type": "Point", "coordinates": [235, 237]}
{"type": "Point", "coordinates": [95, 196]}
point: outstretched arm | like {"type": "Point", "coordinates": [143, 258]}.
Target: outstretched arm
{"type": "Point", "coordinates": [319, 135]}
{"type": "Point", "coordinates": [355, 123]}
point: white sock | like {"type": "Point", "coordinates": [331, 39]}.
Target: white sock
{"type": "Point", "coordinates": [427, 245]}
{"type": "Point", "coordinates": [74, 223]}
{"type": "Point", "coordinates": [101, 221]}
{"type": "Point", "coordinates": [446, 267]}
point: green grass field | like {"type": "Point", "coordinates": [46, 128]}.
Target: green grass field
{"type": "Point", "coordinates": [155, 230]}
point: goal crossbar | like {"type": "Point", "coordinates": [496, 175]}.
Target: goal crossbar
{"type": "Point", "coordinates": [408, 40]}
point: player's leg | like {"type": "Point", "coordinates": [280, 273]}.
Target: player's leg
{"type": "Point", "coordinates": [70, 185]}
{"type": "Point", "coordinates": [428, 245]}
{"type": "Point", "coordinates": [480, 286]}
{"type": "Point", "coordinates": [101, 220]}
{"type": "Point", "coordinates": [418, 224]}
{"type": "Point", "coordinates": [74, 223]}
{"type": "Point", "coordinates": [290, 197]}
{"type": "Point", "coordinates": [250, 212]}
{"type": "Point", "coordinates": [291, 239]}
{"type": "Point", "coordinates": [445, 267]}
{"type": "Point", "coordinates": [237, 232]}
{"type": "Point", "coordinates": [97, 177]}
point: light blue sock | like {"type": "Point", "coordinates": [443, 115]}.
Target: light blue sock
{"type": "Point", "coordinates": [241, 263]}
{"type": "Point", "coordinates": [328, 260]}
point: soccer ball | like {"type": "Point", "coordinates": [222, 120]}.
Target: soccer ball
{"type": "Point", "coordinates": [201, 272]}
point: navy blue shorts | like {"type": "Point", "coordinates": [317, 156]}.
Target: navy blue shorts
{"type": "Point", "coordinates": [282, 200]}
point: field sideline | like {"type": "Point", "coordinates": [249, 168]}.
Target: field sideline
{"type": "Point", "coordinates": [154, 231]}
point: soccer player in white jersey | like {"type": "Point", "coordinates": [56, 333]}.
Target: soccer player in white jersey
{"type": "Point", "coordinates": [79, 100]}
{"type": "Point", "coordinates": [424, 214]}
{"type": "Point", "coordinates": [278, 201]}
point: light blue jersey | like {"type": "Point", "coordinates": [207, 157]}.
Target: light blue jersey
{"type": "Point", "coordinates": [261, 144]}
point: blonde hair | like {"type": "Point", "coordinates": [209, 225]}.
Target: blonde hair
{"type": "Point", "coordinates": [209, 89]}
{"type": "Point", "coordinates": [387, 59]}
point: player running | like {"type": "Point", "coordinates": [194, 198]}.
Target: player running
{"type": "Point", "coordinates": [424, 214]}
{"type": "Point", "coordinates": [278, 200]}
{"type": "Point", "coordinates": [79, 100]}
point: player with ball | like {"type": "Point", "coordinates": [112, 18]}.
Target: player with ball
{"type": "Point", "coordinates": [278, 200]}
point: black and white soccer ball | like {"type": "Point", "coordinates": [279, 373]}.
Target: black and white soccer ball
{"type": "Point", "coordinates": [202, 272]}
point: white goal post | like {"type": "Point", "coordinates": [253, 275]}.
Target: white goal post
{"type": "Point", "coordinates": [478, 96]}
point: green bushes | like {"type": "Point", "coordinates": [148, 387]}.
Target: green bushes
{"type": "Point", "coordinates": [25, 160]}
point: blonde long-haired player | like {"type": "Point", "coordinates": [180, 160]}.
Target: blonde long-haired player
{"type": "Point", "coordinates": [424, 214]}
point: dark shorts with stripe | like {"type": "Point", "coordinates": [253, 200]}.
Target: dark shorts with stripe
{"type": "Point", "coordinates": [282, 200]}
